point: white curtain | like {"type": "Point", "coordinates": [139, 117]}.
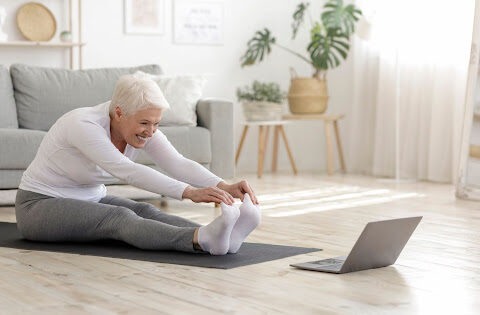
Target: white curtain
{"type": "Point", "coordinates": [429, 42]}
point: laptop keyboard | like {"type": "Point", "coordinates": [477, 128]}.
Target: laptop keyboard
{"type": "Point", "coordinates": [329, 261]}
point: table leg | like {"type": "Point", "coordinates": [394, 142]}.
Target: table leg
{"type": "Point", "coordinates": [275, 149]}
{"type": "Point", "coordinates": [288, 149]}
{"type": "Point", "coordinates": [339, 145]}
{"type": "Point", "coordinates": [328, 141]}
{"type": "Point", "coordinates": [240, 145]}
{"type": "Point", "coordinates": [264, 150]}
{"type": "Point", "coordinates": [260, 151]}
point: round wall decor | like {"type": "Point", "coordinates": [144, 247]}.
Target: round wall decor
{"type": "Point", "coordinates": [36, 22]}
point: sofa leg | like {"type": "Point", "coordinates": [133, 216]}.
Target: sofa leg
{"type": "Point", "coordinates": [163, 204]}
{"type": "Point", "coordinates": [217, 205]}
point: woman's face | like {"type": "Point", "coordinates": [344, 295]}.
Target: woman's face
{"type": "Point", "coordinates": [138, 127]}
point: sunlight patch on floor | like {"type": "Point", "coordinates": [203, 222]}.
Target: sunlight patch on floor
{"type": "Point", "coordinates": [326, 199]}
{"type": "Point", "coordinates": [335, 201]}
{"type": "Point", "coordinates": [308, 193]}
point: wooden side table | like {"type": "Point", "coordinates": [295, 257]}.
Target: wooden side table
{"type": "Point", "coordinates": [330, 120]}
{"type": "Point", "coordinates": [263, 130]}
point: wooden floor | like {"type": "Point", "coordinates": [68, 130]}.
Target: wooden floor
{"type": "Point", "coordinates": [438, 271]}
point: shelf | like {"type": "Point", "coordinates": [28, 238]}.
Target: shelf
{"type": "Point", "coordinates": [25, 43]}
{"type": "Point", "coordinates": [71, 46]}
{"type": "Point", "coordinates": [312, 117]}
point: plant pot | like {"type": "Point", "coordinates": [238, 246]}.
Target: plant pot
{"type": "Point", "coordinates": [261, 111]}
{"type": "Point", "coordinates": [307, 96]}
{"type": "Point", "coordinates": [66, 36]}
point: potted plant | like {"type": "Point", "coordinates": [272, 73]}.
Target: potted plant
{"type": "Point", "coordinates": [329, 41]}
{"type": "Point", "coordinates": [262, 101]}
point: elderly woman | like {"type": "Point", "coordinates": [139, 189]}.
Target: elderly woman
{"type": "Point", "coordinates": [62, 196]}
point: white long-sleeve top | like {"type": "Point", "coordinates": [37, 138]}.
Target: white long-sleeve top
{"type": "Point", "coordinates": [77, 158]}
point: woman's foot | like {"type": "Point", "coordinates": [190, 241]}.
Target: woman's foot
{"type": "Point", "coordinates": [214, 237]}
{"type": "Point", "coordinates": [249, 219]}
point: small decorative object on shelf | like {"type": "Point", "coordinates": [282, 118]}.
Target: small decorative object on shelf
{"type": "Point", "coordinates": [36, 22]}
{"type": "Point", "coordinates": [262, 101]}
{"type": "Point", "coordinates": [3, 16]}
{"type": "Point", "coordinates": [66, 36]}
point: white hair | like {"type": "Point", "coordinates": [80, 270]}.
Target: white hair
{"type": "Point", "coordinates": [134, 92]}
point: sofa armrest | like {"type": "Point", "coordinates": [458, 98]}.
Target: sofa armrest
{"type": "Point", "coordinates": [217, 116]}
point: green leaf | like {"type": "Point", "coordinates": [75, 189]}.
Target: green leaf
{"type": "Point", "coordinates": [317, 29]}
{"type": "Point", "coordinates": [298, 17]}
{"type": "Point", "coordinates": [338, 16]}
{"type": "Point", "coordinates": [324, 50]}
{"type": "Point", "coordinates": [257, 47]}
{"type": "Point", "coordinates": [259, 91]}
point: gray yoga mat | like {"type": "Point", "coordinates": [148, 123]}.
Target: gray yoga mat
{"type": "Point", "coordinates": [249, 253]}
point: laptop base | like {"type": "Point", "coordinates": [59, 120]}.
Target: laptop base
{"type": "Point", "coordinates": [332, 265]}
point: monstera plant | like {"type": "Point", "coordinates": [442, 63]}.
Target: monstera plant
{"type": "Point", "coordinates": [329, 37]}
{"type": "Point", "coordinates": [329, 43]}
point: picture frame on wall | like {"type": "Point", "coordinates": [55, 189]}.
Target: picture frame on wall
{"type": "Point", "coordinates": [198, 22]}
{"type": "Point", "coordinates": [144, 17]}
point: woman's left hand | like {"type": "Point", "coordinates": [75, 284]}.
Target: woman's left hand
{"type": "Point", "coordinates": [237, 190]}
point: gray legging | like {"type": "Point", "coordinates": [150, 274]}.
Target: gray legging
{"type": "Point", "coordinates": [45, 218]}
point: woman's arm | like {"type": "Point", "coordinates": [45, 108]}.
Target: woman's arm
{"type": "Point", "coordinates": [169, 159]}
{"type": "Point", "coordinates": [93, 141]}
{"type": "Point", "coordinates": [175, 164]}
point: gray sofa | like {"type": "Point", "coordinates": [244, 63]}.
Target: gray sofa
{"type": "Point", "coordinates": [33, 98]}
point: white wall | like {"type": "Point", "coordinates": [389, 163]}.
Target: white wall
{"type": "Point", "coordinates": [108, 46]}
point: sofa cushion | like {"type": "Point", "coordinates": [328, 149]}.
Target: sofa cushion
{"type": "Point", "coordinates": [8, 116]}
{"type": "Point", "coordinates": [42, 95]}
{"type": "Point", "coordinates": [191, 142]}
{"type": "Point", "coordinates": [19, 147]}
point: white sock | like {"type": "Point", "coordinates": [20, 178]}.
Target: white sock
{"type": "Point", "coordinates": [215, 237]}
{"type": "Point", "coordinates": [250, 216]}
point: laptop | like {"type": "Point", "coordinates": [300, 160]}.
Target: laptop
{"type": "Point", "coordinates": [379, 245]}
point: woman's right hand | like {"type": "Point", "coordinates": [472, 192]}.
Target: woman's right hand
{"type": "Point", "coordinates": [209, 194]}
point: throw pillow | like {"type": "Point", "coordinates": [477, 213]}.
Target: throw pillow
{"type": "Point", "coordinates": [182, 93]}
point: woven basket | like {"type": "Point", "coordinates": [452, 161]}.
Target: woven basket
{"type": "Point", "coordinates": [261, 111]}
{"type": "Point", "coordinates": [307, 96]}
{"type": "Point", "coordinates": [36, 22]}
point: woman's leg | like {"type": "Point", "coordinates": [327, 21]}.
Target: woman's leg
{"type": "Point", "coordinates": [149, 211]}
{"type": "Point", "coordinates": [44, 218]}
{"type": "Point", "coordinates": [214, 238]}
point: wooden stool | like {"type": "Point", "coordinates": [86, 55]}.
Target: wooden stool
{"type": "Point", "coordinates": [263, 130]}
{"type": "Point", "coordinates": [330, 120]}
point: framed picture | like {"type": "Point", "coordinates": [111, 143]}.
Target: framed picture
{"type": "Point", "coordinates": [145, 17]}
{"type": "Point", "coordinates": [198, 22]}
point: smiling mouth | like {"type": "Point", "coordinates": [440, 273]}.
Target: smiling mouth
{"type": "Point", "coordinates": [142, 138]}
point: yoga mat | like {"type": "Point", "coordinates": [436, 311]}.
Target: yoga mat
{"type": "Point", "coordinates": [249, 253]}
